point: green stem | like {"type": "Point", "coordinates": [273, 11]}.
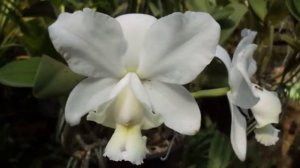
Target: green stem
{"type": "Point", "coordinates": [138, 4]}
{"type": "Point", "coordinates": [211, 92]}
{"type": "Point", "coordinates": [62, 8]}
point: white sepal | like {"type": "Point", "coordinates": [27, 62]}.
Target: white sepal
{"type": "Point", "coordinates": [238, 136]}
{"type": "Point", "coordinates": [134, 26]}
{"type": "Point", "coordinates": [92, 43]}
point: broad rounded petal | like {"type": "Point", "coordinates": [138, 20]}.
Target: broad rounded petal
{"type": "Point", "coordinates": [223, 55]}
{"type": "Point", "coordinates": [267, 110]}
{"type": "Point", "coordinates": [127, 144]}
{"type": "Point", "coordinates": [87, 96]}
{"type": "Point", "coordinates": [267, 135]}
{"type": "Point", "coordinates": [178, 47]}
{"type": "Point", "coordinates": [176, 105]}
{"type": "Point", "coordinates": [238, 134]}
{"type": "Point", "coordinates": [135, 27]}
{"type": "Point", "coordinates": [241, 92]}
{"type": "Point", "coordinates": [92, 43]}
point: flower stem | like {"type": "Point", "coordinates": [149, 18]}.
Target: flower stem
{"type": "Point", "coordinates": [62, 8]}
{"type": "Point", "coordinates": [211, 92]}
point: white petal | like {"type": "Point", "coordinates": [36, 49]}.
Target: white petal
{"type": "Point", "coordinates": [127, 144]}
{"type": "Point", "coordinates": [238, 134]}
{"type": "Point", "coordinates": [176, 105]}
{"type": "Point", "coordinates": [105, 113]}
{"type": "Point", "coordinates": [129, 104]}
{"type": "Point", "coordinates": [241, 92]}
{"type": "Point", "coordinates": [252, 67]}
{"type": "Point", "coordinates": [86, 97]}
{"type": "Point", "coordinates": [248, 32]}
{"type": "Point", "coordinates": [223, 55]}
{"type": "Point", "coordinates": [178, 47]}
{"type": "Point", "coordinates": [135, 27]}
{"type": "Point", "coordinates": [267, 110]}
{"type": "Point", "coordinates": [267, 135]}
{"type": "Point", "coordinates": [248, 38]}
{"type": "Point", "coordinates": [92, 43]}
{"type": "Point", "coordinates": [150, 119]}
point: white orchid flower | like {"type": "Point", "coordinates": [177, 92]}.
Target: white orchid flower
{"type": "Point", "coordinates": [243, 94]}
{"type": "Point", "coordinates": [266, 112]}
{"type": "Point", "coordinates": [135, 65]}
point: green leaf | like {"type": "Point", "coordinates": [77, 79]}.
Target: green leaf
{"type": "Point", "coordinates": [156, 12]}
{"type": "Point", "coordinates": [120, 9]}
{"type": "Point", "coordinates": [295, 44]}
{"type": "Point", "coordinates": [19, 73]}
{"type": "Point", "coordinates": [222, 13]}
{"type": "Point", "coordinates": [220, 151]}
{"type": "Point", "coordinates": [230, 24]}
{"type": "Point", "coordinates": [36, 39]}
{"type": "Point", "coordinates": [198, 146]}
{"type": "Point", "coordinates": [54, 78]}
{"type": "Point", "coordinates": [41, 8]}
{"type": "Point", "coordinates": [259, 7]}
{"type": "Point", "coordinates": [291, 5]}
{"type": "Point", "coordinates": [297, 30]}
{"type": "Point", "coordinates": [277, 11]}
{"type": "Point", "coordinates": [297, 6]}
{"type": "Point", "coordinates": [202, 5]}
{"type": "Point", "coordinates": [294, 92]}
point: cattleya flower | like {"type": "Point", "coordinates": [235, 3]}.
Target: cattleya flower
{"type": "Point", "coordinates": [244, 95]}
{"type": "Point", "coordinates": [135, 65]}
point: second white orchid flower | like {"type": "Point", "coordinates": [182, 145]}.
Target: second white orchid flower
{"type": "Point", "coordinates": [135, 65]}
{"type": "Point", "coordinates": [243, 95]}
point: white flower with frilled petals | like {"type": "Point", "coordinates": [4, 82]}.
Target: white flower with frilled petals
{"type": "Point", "coordinates": [135, 65]}
{"type": "Point", "coordinates": [264, 104]}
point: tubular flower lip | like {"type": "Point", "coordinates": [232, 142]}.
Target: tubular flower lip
{"type": "Point", "coordinates": [135, 65]}
{"type": "Point", "coordinates": [243, 93]}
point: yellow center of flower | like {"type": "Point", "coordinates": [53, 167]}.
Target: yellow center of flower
{"type": "Point", "coordinates": [131, 69]}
